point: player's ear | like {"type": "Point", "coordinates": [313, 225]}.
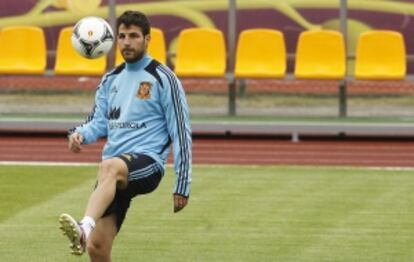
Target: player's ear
{"type": "Point", "coordinates": [148, 38]}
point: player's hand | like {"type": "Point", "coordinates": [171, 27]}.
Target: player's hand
{"type": "Point", "coordinates": [75, 141]}
{"type": "Point", "coordinates": [179, 202]}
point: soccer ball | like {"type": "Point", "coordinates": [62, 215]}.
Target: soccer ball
{"type": "Point", "coordinates": [92, 37]}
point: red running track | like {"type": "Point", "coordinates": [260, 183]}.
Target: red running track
{"type": "Point", "coordinates": [233, 151]}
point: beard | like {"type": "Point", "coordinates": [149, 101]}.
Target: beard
{"type": "Point", "coordinates": [131, 55]}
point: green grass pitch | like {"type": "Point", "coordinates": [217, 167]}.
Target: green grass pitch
{"type": "Point", "coordinates": [247, 213]}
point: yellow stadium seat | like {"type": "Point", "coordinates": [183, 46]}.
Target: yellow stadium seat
{"type": "Point", "coordinates": [261, 53]}
{"type": "Point", "coordinates": [22, 50]}
{"type": "Point", "coordinates": [68, 62]}
{"type": "Point", "coordinates": [156, 48]}
{"type": "Point", "coordinates": [320, 54]}
{"type": "Point", "coordinates": [380, 56]}
{"type": "Point", "coordinates": [201, 52]}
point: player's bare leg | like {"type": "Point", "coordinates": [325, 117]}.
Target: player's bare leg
{"type": "Point", "coordinates": [112, 174]}
{"type": "Point", "coordinates": [99, 244]}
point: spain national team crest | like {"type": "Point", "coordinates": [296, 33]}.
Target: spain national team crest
{"type": "Point", "coordinates": [144, 90]}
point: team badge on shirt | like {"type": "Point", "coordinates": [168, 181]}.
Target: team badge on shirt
{"type": "Point", "coordinates": [144, 90]}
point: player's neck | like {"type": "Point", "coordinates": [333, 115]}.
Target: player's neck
{"type": "Point", "coordinates": [138, 64]}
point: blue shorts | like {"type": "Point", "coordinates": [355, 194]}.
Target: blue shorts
{"type": "Point", "coordinates": [144, 176]}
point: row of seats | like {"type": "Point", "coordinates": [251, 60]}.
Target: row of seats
{"type": "Point", "coordinates": [23, 51]}
{"type": "Point", "coordinates": [201, 52]}
{"type": "Point", "coordinates": [320, 54]}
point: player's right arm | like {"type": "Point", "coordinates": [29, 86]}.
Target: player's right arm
{"type": "Point", "coordinates": [95, 125]}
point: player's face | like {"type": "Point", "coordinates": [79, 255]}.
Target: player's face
{"type": "Point", "coordinates": [132, 43]}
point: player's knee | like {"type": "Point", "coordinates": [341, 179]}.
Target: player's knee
{"type": "Point", "coordinates": [107, 171]}
{"type": "Point", "coordinates": [110, 172]}
{"type": "Point", "coordinates": [97, 248]}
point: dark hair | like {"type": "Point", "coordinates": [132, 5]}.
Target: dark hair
{"type": "Point", "coordinates": [137, 18]}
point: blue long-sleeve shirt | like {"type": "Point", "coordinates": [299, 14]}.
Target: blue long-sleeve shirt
{"type": "Point", "coordinates": [141, 108]}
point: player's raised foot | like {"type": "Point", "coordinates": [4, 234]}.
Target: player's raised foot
{"type": "Point", "coordinates": [74, 232]}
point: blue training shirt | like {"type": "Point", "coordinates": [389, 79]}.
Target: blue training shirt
{"type": "Point", "coordinates": [141, 108]}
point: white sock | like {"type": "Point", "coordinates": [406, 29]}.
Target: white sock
{"type": "Point", "coordinates": [88, 224]}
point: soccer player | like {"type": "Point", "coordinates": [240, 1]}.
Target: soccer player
{"type": "Point", "coordinates": [140, 107]}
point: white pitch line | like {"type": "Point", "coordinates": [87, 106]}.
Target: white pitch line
{"type": "Point", "coordinates": [49, 163]}
{"type": "Point", "coordinates": [393, 168]}
{"type": "Point", "coordinates": [33, 163]}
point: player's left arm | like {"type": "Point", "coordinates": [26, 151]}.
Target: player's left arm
{"type": "Point", "coordinates": [179, 128]}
